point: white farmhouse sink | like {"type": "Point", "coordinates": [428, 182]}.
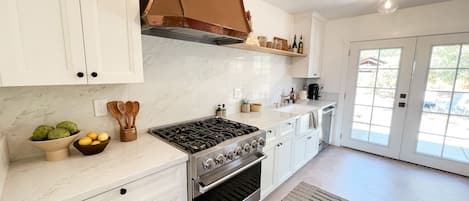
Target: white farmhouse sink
{"type": "Point", "coordinates": [296, 109]}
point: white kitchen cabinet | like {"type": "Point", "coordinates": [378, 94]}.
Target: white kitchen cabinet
{"type": "Point", "coordinates": [312, 145]}
{"type": "Point", "coordinates": [70, 42]}
{"type": "Point", "coordinates": [283, 158]}
{"type": "Point", "coordinates": [112, 41]}
{"type": "Point", "coordinates": [311, 26]}
{"type": "Point", "coordinates": [299, 152]}
{"type": "Point", "coordinates": [167, 185]}
{"type": "Point", "coordinates": [267, 172]}
{"type": "Point", "coordinates": [43, 43]}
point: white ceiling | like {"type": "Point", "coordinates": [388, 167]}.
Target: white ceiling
{"type": "Point", "coordinates": [334, 9]}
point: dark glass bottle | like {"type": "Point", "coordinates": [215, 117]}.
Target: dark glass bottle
{"type": "Point", "coordinates": [300, 45]}
{"type": "Point", "coordinates": [294, 45]}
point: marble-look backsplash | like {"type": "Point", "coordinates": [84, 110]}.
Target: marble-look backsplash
{"type": "Point", "coordinates": [183, 80]}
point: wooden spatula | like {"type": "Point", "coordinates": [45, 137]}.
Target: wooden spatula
{"type": "Point", "coordinates": [112, 108]}
{"type": "Point", "coordinates": [129, 113]}
{"type": "Point", "coordinates": [135, 110]}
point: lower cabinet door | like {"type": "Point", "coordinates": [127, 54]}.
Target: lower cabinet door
{"type": "Point", "coordinates": [299, 152]}
{"type": "Point", "coordinates": [312, 145]}
{"type": "Point", "coordinates": [283, 160]}
{"type": "Point", "coordinates": [167, 185]}
{"type": "Point", "coordinates": [267, 172]}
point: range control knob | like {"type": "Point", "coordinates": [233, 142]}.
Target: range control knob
{"type": "Point", "coordinates": [230, 155]}
{"type": "Point", "coordinates": [247, 147]}
{"type": "Point", "coordinates": [220, 159]}
{"type": "Point", "coordinates": [254, 144]}
{"type": "Point", "coordinates": [238, 151]}
{"type": "Point", "coordinates": [209, 163]}
{"type": "Point", "coordinates": [261, 141]}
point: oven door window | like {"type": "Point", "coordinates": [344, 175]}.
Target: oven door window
{"type": "Point", "coordinates": [239, 188]}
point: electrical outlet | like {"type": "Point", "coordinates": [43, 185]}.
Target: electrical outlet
{"type": "Point", "coordinates": [237, 93]}
{"type": "Point", "coordinates": [100, 108]}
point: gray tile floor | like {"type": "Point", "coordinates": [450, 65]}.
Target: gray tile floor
{"type": "Point", "coordinates": [359, 176]}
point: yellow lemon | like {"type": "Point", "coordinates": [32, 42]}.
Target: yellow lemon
{"type": "Point", "coordinates": [85, 141]}
{"type": "Point", "coordinates": [103, 137]}
{"type": "Point", "coordinates": [95, 142]}
{"type": "Point", "coordinates": [92, 135]}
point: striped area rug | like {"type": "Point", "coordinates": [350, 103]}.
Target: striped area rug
{"type": "Point", "coordinates": [308, 192]}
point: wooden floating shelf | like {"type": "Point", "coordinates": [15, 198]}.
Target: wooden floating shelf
{"type": "Point", "coordinates": [254, 48]}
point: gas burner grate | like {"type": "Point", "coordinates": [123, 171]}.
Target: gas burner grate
{"type": "Point", "coordinates": [200, 135]}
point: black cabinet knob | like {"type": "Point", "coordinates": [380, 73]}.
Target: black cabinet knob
{"type": "Point", "coordinates": [94, 74]}
{"type": "Point", "coordinates": [123, 191]}
{"type": "Point", "coordinates": [80, 74]}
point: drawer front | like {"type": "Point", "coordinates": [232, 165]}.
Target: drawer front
{"type": "Point", "coordinates": [270, 136]}
{"type": "Point", "coordinates": [168, 185]}
{"type": "Point", "coordinates": [287, 127]}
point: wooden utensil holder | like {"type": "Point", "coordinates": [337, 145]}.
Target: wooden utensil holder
{"type": "Point", "coordinates": [128, 134]}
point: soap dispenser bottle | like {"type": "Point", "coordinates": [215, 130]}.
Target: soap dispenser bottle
{"type": "Point", "coordinates": [218, 112]}
{"type": "Point", "coordinates": [223, 110]}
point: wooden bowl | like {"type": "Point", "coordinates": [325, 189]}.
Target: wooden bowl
{"type": "Point", "coordinates": [91, 149]}
{"type": "Point", "coordinates": [57, 149]}
{"type": "Point", "coordinates": [256, 107]}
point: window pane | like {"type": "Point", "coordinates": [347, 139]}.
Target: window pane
{"type": "Point", "coordinates": [379, 135]}
{"type": "Point", "coordinates": [441, 80]}
{"type": "Point", "coordinates": [456, 149]}
{"type": "Point", "coordinates": [362, 114]}
{"type": "Point", "coordinates": [460, 104]}
{"type": "Point", "coordinates": [366, 78]}
{"type": "Point", "coordinates": [458, 127]}
{"type": "Point", "coordinates": [430, 144]}
{"type": "Point", "coordinates": [464, 63]}
{"type": "Point", "coordinates": [360, 131]}
{"type": "Point", "coordinates": [369, 58]}
{"type": "Point", "coordinates": [445, 56]}
{"type": "Point", "coordinates": [387, 79]}
{"type": "Point", "coordinates": [382, 116]}
{"type": "Point", "coordinates": [433, 123]}
{"type": "Point", "coordinates": [384, 98]}
{"type": "Point", "coordinates": [437, 102]}
{"type": "Point", "coordinates": [462, 81]}
{"type": "Point", "coordinates": [364, 96]}
{"type": "Point", "coordinates": [390, 58]}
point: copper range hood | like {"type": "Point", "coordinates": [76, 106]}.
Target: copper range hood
{"type": "Point", "coordinates": [207, 21]}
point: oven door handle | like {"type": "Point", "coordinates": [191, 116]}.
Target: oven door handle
{"type": "Point", "coordinates": [204, 189]}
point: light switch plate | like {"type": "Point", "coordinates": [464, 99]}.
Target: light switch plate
{"type": "Point", "coordinates": [100, 108]}
{"type": "Point", "coordinates": [237, 93]}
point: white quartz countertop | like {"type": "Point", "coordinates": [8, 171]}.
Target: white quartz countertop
{"type": "Point", "coordinates": [80, 177]}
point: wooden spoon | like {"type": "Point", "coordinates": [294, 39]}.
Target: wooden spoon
{"type": "Point", "coordinates": [122, 109]}
{"type": "Point", "coordinates": [135, 110]}
{"type": "Point", "coordinates": [129, 113]}
{"type": "Point", "coordinates": [112, 108]}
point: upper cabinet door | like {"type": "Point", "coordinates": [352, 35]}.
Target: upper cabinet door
{"type": "Point", "coordinates": [42, 43]}
{"type": "Point", "coordinates": [112, 38]}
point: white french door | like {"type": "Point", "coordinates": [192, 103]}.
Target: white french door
{"type": "Point", "coordinates": [437, 132]}
{"type": "Point", "coordinates": [379, 75]}
{"type": "Point", "coordinates": [431, 128]}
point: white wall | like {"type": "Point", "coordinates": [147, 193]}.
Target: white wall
{"type": "Point", "coordinates": [441, 18]}
{"type": "Point", "coordinates": [268, 20]}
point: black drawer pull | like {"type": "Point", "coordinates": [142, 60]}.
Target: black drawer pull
{"type": "Point", "coordinates": [123, 191]}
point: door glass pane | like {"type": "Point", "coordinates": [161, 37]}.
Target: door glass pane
{"type": "Point", "coordinates": [462, 81]}
{"type": "Point", "coordinates": [364, 96]}
{"type": "Point", "coordinates": [456, 149]}
{"type": "Point", "coordinates": [464, 57]}
{"type": "Point", "coordinates": [445, 56]}
{"type": "Point", "coordinates": [390, 58]}
{"type": "Point", "coordinates": [458, 127]}
{"type": "Point", "coordinates": [382, 116]}
{"type": "Point", "coordinates": [387, 79]}
{"type": "Point", "coordinates": [430, 144]}
{"type": "Point", "coordinates": [438, 102]}
{"type": "Point", "coordinates": [441, 80]}
{"type": "Point", "coordinates": [362, 114]}
{"type": "Point", "coordinates": [384, 98]}
{"type": "Point", "coordinates": [379, 135]}
{"type": "Point", "coordinates": [369, 58]}
{"type": "Point", "coordinates": [366, 78]}
{"type": "Point", "coordinates": [460, 104]}
{"type": "Point", "coordinates": [433, 123]}
{"type": "Point", "coordinates": [360, 131]}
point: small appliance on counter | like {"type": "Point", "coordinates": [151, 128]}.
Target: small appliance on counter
{"type": "Point", "coordinates": [314, 91]}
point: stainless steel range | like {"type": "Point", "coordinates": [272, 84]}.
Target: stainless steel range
{"type": "Point", "coordinates": [224, 157]}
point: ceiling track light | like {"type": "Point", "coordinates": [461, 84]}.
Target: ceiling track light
{"type": "Point", "coordinates": [387, 6]}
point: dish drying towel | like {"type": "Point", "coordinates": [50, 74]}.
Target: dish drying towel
{"type": "Point", "coordinates": [313, 119]}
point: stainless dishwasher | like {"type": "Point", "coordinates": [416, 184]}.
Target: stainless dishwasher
{"type": "Point", "coordinates": [326, 125]}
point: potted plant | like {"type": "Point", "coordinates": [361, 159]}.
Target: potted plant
{"type": "Point", "coordinates": [245, 107]}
